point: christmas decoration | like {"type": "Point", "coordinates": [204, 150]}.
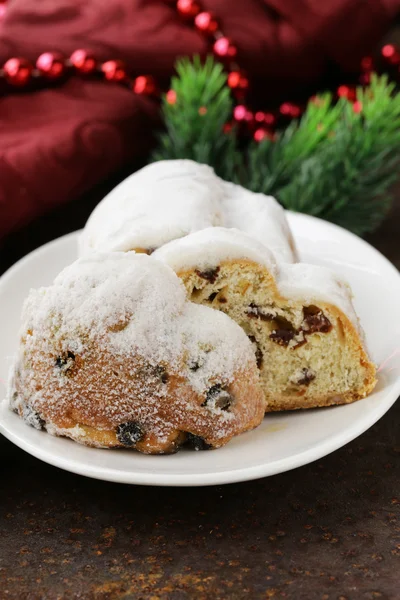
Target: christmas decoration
{"type": "Point", "coordinates": [337, 162]}
{"type": "Point", "coordinates": [83, 61]}
{"type": "Point", "coordinates": [51, 65]}
{"type": "Point", "coordinates": [17, 71]}
{"type": "Point", "coordinates": [114, 70]}
{"type": "Point", "coordinates": [208, 118]}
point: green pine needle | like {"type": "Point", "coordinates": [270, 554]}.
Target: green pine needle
{"type": "Point", "coordinates": [194, 123]}
{"type": "Point", "coordinates": [333, 163]}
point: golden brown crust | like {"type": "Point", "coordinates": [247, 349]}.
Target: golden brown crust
{"type": "Point", "coordinates": [95, 395]}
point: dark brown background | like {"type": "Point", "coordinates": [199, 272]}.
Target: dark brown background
{"type": "Point", "coordinates": [327, 531]}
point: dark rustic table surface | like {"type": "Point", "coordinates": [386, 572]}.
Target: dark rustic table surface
{"type": "Point", "coordinates": [327, 531]}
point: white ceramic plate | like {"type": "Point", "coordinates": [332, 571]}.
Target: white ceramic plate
{"type": "Point", "coordinates": [284, 441]}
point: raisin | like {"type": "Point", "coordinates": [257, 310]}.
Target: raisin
{"type": "Point", "coordinates": [32, 418]}
{"type": "Point", "coordinates": [129, 433]}
{"type": "Point", "coordinates": [161, 373]}
{"type": "Point", "coordinates": [212, 296]}
{"type": "Point", "coordinates": [315, 321]}
{"type": "Point", "coordinates": [255, 312]}
{"type": "Point", "coordinates": [196, 442]}
{"type": "Point", "coordinates": [210, 275]}
{"type": "Point", "coordinates": [194, 366]}
{"type": "Point", "coordinates": [284, 331]}
{"type": "Point", "coordinates": [307, 378]}
{"type": "Point", "coordinates": [65, 362]}
{"type": "Point", "coordinates": [282, 336]}
{"type": "Point", "coordinates": [218, 398]}
{"type": "Point", "coordinates": [259, 354]}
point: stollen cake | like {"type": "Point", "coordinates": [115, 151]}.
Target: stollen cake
{"type": "Point", "coordinates": [307, 338]}
{"type": "Point", "coordinates": [170, 199]}
{"type": "Point", "coordinates": [113, 355]}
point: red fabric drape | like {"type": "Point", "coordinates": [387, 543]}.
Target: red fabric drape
{"type": "Point", "coordinates": [57, 143]}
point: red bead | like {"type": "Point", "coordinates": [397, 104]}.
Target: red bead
{"type": "Point", "coordinates": [114, 70]}
{"type": "Point", "coordinates": [242, 114]}
{"type": "Point", "coordinates": [227, 128]}
{"type": "Point", "coordinates": [290, 110]}
{"type": "Point", "coordinates": [265, 117]}
{"type": "Point", "coordinates": [188, 8]}
{"type": "Point", "coordinates": [234, 79]}
{"type": "Point", "coordinates": [51, 65]}
{"type": "Point", "coordinates": [224, 48]}
{"type": "Point", "coordinates": [237, 81]}
{"type": "Point", "coordinates": [171, 97]}
{"type": "Point", "coordinates": [367, 63]}
{"type": "Point", "coordinates": [144, 84]}
{"type": "Point", "coordinates": [18, 71]}
{"type": "Point", "coordinates": [388, 51]}
{"type": "Point", "coordinates": [357, 106]}
{"type": "Point", "coordinates": [391, 54]}
{"type": "Point", "coordinates": [344, 91]}
{"type": "Point", "coordinates": [263, 134]}
{"type": "Point", "coordinates": [206, 22]}
{"type": "Point", "coordinates": [83, 61]}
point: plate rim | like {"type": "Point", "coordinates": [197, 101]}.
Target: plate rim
{"type": "Point", "coordinates": [205, 478]}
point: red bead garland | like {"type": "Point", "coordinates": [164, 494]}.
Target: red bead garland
{"type": "Point", "coordinates": [18, 71]}
{"type": "Point", "coordinates": [206, 23]}
{"type": "Point", "coordinates": [188, 8]}
{"type": "Point", "coordinates": [83, 61]}
{"type": "Point", "coordinates": [114, 70]}
{"type": "Point", "coordinates": [52, 66]}
{"type": "Point", "coordinates": [224, 48]}
{"type": "Point", "coordinates": [144, 84]}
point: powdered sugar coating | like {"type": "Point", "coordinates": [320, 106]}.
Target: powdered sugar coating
{"type": "Point", "coordinates": [262, 218]}
{"type": "Point", "coordinates": [142, 305]}
{"type": "Point", "coordinates": [206, 248]}
{"type": "Point", "coordinates": [170, 199]}
{"type": "Point", "coordinates": [114, 340]}
{"type": "Point", "coordinates": [307, 283]}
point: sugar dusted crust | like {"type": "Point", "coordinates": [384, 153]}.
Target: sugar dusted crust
{"type": "Point", "coordinates": [300, 319]}
{"type": "Point", "coordinates": [113, 355]}
{"type": "Point", "coordinates": [170, 199]}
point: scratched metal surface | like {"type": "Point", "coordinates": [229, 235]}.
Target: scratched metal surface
{"type": "Point", "coordinates": [327, 531]}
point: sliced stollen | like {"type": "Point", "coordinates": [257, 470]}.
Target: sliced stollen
{"type": "Point", "coordinates": [170, 199]}
{"type": "Point", "coordinates": [308, 341]}
{"type": "Point", "coordinates": [113, 355]}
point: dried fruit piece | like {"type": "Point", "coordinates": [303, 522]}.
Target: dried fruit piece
{"type": "Point", "coordinates": [210, 275]}
{"type": "Point", "coordinates": [194, 366]}
{"type": "Point", "coordinates": [196, 442]}
{"type": "Point", "coordinates": [259, 354]}
{"type": "Point", "coordinates": [315, 321]}
{"type": "Point", "coordinates": [161, 373]}
{"type": "Point", "coordinates": [307, 377]}
{"type": "Point", "coordinates": [284, 332]}
{"type": "Point", "coordinates": [65, 362]}
{"type": "Point", "coordinates": [217, 397]}
{"type": "Point", "coordinates": [129, 433]}
{"type": "Point", "coordinates": [255, 312]}
{"type": "Point", "coordinates": [282, 336]}
{"type": "Point", "coordinates": [32, 418]}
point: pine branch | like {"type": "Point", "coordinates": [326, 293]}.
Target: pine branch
{"type": "Point", "coordinates": [347, 178]}
{"type": "Point", "coordinates": [194, 124]}
{"type": "Point", "coordinates": [333, 163]}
